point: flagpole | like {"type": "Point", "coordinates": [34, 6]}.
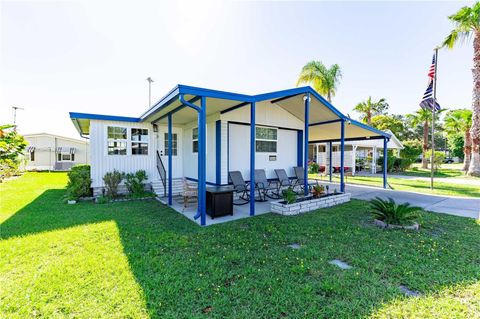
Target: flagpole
{"type": "Point", "coordinates": [432, 158]}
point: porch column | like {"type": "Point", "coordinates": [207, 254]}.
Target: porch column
{"type": "Point", "coordinates": [374, 154]}
{"type": "Point", "coordinates": [202, 167]}
{"type": "Point", "coordinates": [354, 159]}
{"type": "Point", "coordinates": [385, 160]}
{"type": "Point", "coordinates": [342, 155]}
{"type": "Point", "coordinates": [330, 146]}
{"type": "Point", "coordinates": [170, 159]}
{"type": "Point", "coordinates": [305, 136]}
{"type": "Point", "coordinates": [252, 159]}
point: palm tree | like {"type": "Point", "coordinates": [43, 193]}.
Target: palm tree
{"type": "Point", "coordinates": [324, 80]}
{"type": "Point", "coordinates": [423, 117]}
{"type": "Point", "coordinates": [460, 121]}
{"type": "Point", "coordinates": [369, 109]}
{"type": "Point", "coordinates": [467, 23]}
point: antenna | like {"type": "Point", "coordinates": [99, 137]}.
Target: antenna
{"type": "Point", "coordinates": [15, 108]}
{"type": "Point", "coordinates": [150, 80]}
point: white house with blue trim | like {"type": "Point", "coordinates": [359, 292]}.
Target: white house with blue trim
{"type": "Point", "coordinates": [202, 134]}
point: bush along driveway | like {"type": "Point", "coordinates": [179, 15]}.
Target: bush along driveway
{"type": "Point", "coordinates": [144, 260]}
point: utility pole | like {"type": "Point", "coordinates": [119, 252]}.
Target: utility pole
{"type": "Point", "coordinates": [150, 80]}
{"type": "Point", "coordinates": [15, 108]}
{"type": "Point", "coordinates": [434, 106]}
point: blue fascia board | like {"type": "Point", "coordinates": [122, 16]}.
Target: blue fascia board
{"type": "Point", "coordinates": [326, 103]}
{"type": "Point", "coordinates": [185, 89]}
{"type": "Point", "coordinates": [170, 97]}
{"type": "Point", "coordinates": [367, 127]}
{"type": "Point", "coordinates": [89, 116]}
{"type": "Point", "coordinates": [282, 93]}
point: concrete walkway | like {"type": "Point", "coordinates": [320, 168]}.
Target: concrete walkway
{"type": "Point", "coordinates": [458, 206]}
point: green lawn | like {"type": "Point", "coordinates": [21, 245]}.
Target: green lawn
{"type": "Point", "coordinates": [143, 260]}
{"type": "Point", "coordinates": [446, 170]}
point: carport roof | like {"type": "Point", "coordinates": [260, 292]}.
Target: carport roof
{"type": "Point", "coordinates": [325, 120]}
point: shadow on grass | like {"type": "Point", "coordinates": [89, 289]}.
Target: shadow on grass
{"type": "Point", "coordinates": [244, 267]}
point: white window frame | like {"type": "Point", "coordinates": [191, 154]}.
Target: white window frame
{"type": "Point", "coordinates": [139, 142]}
{"type": "Point", "coordinates": [266, 140]}
{"type": "Point", "coordinates": [174, 145]}
{"type": "Point", "coordinates": [109, 139]}
{"type": "Point", "coordinates": [72, 159]}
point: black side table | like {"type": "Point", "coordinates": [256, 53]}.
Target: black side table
{"type": "Point", "coordinates": [219, 201]}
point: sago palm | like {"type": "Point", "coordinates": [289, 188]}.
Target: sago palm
{"type": "Point", "coordinates": [467, 25]}
{"type": "Point", "coordinates": [369, 109]}
{"type": "Point", "coordinates": [460, 121]}
{"type": "Point", "coordinates": [392, 213]}
{"type": "Point", "coordinates": [423, 117]}
{"type": "Point", "coordinates": [324, 80]}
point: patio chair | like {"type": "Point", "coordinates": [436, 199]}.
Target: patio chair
{"type": "Point", "coordinates": [263, 186]}
{"type": "Point", "coordinates": [240, 187]}
{"type": "Point", "coordinates": [300, 179]}
{"type": "Point", "coordinates": [189, 191]}
{"type": "Point", "coordinates": [283, 181]}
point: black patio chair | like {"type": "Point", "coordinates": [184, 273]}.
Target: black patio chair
{"type": "Point", "coordinates": [240, 187]}
{"type": "Point", "coordinates": [264, 187]}
{"type": "Point", "coordinates": [283, 181]}
{"type": "Point", "coordinates": [299, 171]}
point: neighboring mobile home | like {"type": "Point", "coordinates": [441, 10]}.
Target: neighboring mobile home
{"type": "Point", "coordinates": [202, 134]}
{"type": "Point", "coordinates": [53, 152]}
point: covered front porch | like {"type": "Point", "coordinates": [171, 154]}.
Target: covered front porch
{"type": "Point", "coordinates": [319, 121]}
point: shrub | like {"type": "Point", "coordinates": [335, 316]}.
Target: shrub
{"type": "Point", "coordinates": [392, 213]}
{"type": "Point", "coordinates": [455, 144]}
{"type": "Point", "coordinates": [112, 180]}
{"type": "Point", "coordinates": [395, 164]}
{"type": "Point", "coordinates": [79, 182]}
{"type": "Point", "coordinates": [438, 160]}
{"type": "Point", "coordinates": [412, 149]}
{"type": "Point", "coordinates": [289, 195]}
{"type": "Point", "coordinates": [134, 182]}
{"type": "Point", "coordinates": [313, 168]}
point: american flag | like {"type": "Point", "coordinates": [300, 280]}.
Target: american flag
{"type": "Point", "coordinates": [428, 100]}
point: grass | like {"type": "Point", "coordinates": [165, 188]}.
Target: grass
{"type": "Point", "coordinates": [445, 171]}
{"type": "Point", "coordinates": [143, 260]}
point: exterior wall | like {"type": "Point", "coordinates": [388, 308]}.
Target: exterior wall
{"type": "Point", "coordinates": [46, 155]}
{"type": "Point", "coordinates": [102, 162]}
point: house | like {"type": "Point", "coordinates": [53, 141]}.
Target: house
{"type": "Point", "coordinates": [360, 156]}
{"type": "Point", "coordinates": [202, 134]}
{"type": "Point", "coordinates": [53, 152]}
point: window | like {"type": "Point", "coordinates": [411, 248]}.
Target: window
{"type": "Point", "coordinates": [139, 141]}
{"type": "Point", "coordinates": [117, 140]}
{"type": "Point", "coordinates": [174, 144]}
{"type": "Point", "coordinates": [195, 140]}
{"type": "Point", "coordinates": [266, 140]}
{"type": "Point", "coordinates": [65, 157]}
{"type": "Point", "coordinates": [32, 156]}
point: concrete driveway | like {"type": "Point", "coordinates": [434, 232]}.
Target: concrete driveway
{"type": "Point", "coordinates": [458, 206]}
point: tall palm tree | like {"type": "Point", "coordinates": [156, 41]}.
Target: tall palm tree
{"type": "Point", "coordinates": [460, 121]}
{"type": "Point", "coordinates": [423, 117]}
{"type": "Point", "coordinates": [369, 109]}
{"type": "Point", "coordinates": [324, 80]}
{"type": "Point", "coordinates": [467, 23]}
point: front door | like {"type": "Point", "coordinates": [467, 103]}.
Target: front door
{"type": "Point", "coordinates": [176, 150]}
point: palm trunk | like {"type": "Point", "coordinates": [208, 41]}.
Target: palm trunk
{"type": "Point", "coordinates": [474, 169]}
{"type": "Point", "coordinates": [467, 150]}
{"type": "Point", "coordinates": [425, 144]}
{"type": "Point", "coordinates": [329, 97]}
{"type": "Point", "coordinates": [369, 118]}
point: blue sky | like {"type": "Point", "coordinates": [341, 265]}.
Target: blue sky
{"type": "Point", "coordinates": [94, 56]}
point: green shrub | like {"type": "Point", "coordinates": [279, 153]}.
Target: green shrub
{"type": "Point", "coordinates": [289, 195]}
{"type": "Point", "coordinates": [313, 168]}
{"type": "Point", "coordinates": [455, 144]}
{"type": "Point", "coordinates": [411, 150]}
{"type": "Point", "coordinates": [134, 182]}
{"type": "Point", "coordinates": [79, 182]}
{"type": "Point", "coordinates": [438, 160]}
{"type": "Point", "coordinates": [112, 180]}
{"type": "Point", "coordinates": [392, 213]}
{"type": "Point", "coordinates": [102, 200]}
{"type": "Point", "coordinates": [395, 164]}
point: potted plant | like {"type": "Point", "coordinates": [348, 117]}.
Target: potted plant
{"type": "Point", "coordinates": [389, 214]}
{"type": "Point", "coordinates": [318, 190]}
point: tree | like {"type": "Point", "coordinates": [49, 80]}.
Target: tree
{"type": "Point", "coordinates": [411, 150]}
{"type": "Point", "coordinates": [422, 117]}
{"type": "Point", "coordinates": [457, 121]}
{"type": "Point", "coordinates": [388, 122]}
{"type": "Point", "coordinates": [467, 23]}
{"type": "Point", "coordinates": [324, 80]}
{"type": "Point", "coordinates": [369, 108]}
{"type": "Point", "coordinates": [11, 147]}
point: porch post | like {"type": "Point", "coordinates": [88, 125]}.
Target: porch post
{"type": "Point", "coordinates": [170, 159]}
{"type": "Point", "coordinates": [354, 159]}
{"type": "Point", "coordinates": [342, 155]}
{"type": "Point", "coordinates": [252, 159]}
{"type": "Point", "coordinates": [385, 160]}
{"type": "Point", "coordinates": [330, 146]}
{"type": "Point", "coordinates": [305, 149]}
{"type": "Point", "coordinates": [202, 167]}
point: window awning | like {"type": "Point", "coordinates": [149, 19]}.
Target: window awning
{"type": "Point", "coordinates": [31, 149]}
{"type": "Point", "coordinates": [66, 150]}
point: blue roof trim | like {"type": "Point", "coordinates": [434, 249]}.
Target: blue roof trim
{"type": "Point", "coordinates": [326, 103]}
{"type": "Point", "coordinates": [365, 126]}
{"type": "Point", "coordinates": [166, 100]}
{"type": "Point", "coordinates": [282, 93]}
{"type": "Point", "coordinates": [185, 89]}
{"type": "Point", "coordinates": [102, 117]}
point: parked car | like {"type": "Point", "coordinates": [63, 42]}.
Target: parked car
{"type": "Point", "coordinates": [449, 160]}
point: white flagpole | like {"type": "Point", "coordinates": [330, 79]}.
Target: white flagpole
{"type": "Point", "coordinates": [432, 158]}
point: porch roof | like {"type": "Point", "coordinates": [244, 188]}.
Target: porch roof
{"type": "Point", "coordinates": [325, 120]}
